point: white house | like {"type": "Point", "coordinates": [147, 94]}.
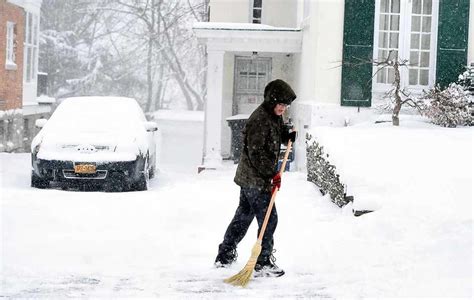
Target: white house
{"type": "Point", "coordinates": [304, 42]}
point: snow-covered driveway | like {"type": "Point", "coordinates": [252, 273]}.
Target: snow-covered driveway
{"type": "Point", "coordinates": [162, 243]}
{"type": "Point", "coordinates": [156, 243]}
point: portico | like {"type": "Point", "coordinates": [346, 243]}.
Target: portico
{"type": "Point", "coordinates": [224, 42]}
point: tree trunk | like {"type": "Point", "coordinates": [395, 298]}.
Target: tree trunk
{"type": "Point", "coordinates": [398, 99]}
{"type": "Point", "coordinates": [149, 79]}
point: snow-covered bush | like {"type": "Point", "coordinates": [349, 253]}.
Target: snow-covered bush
{"type": "Point", "coordinates": [448, 107]}
{"type": "Point", "coordinates": [466, 79]}
{"type": "Point", "coordinates": [322, 173]}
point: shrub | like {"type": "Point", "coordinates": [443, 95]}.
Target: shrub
{"type": "Point", "coordinates": [448, 107]}
{"type": "Point", "coordinates": [322, 173]}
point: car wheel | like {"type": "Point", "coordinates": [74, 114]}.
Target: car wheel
{"type": "Point", "coordinates": [115, 183]}
{"type": "Point", "coordinates": [142, 183]}
{"type": "Point", "coordinates": [38, 182]}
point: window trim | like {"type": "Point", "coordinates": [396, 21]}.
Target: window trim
{"type": "Point", "coordinates": [403, 47]}
{"type": "Point", "coordinates": [31, 48]}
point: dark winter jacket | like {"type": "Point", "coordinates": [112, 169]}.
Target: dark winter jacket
{"type": "Point", "coordinates": [262, 136]}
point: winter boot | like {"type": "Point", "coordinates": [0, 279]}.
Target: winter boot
{"type": "Point", "coordinates": [225, 257]}
{"type": "Point", "coordinates": [266, 267]}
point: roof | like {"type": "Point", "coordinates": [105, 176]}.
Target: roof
{"type": "Point", "coordinates": [235, 37]}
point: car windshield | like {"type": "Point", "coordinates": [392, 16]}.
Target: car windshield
{"type": "Point", "coordinates": [97, 114]}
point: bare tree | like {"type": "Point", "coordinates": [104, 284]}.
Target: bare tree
{"type": "Point", "coordinates": [397, 95]}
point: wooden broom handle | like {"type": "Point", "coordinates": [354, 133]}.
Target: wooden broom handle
{"type": "Point", "coordinates": [272, 200]}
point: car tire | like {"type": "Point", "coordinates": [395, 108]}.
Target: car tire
{"type": "Point", "coordinates": [115, 183]}
{"type": "Point", "coordinates": [142, 183]}
{"type": "Point", "coordinates": [38, 182]}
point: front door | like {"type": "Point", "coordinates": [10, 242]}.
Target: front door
{"type": "Point", "coordinates": [250, 78]}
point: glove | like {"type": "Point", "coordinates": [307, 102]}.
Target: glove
{"type": "Point", "coordinates": [276, 181]}
{"type": "Point", "coordinates": [292, 136]}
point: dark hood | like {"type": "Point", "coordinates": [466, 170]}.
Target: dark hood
{"type": "Point", "coordinates": [278, 91]}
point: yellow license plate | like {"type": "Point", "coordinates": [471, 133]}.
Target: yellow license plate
{"type": "Point", "coordinates": [84, 169]}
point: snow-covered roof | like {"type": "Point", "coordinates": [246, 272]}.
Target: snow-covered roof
{"type": "Point", "coordinates": [245, 37]}
{"type": "Point", "coordinates": [240, 26]}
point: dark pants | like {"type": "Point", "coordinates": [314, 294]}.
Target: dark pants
{"type": "Point", "coordinates": [253, 203]}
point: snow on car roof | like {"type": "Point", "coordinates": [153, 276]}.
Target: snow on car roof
{"type": "Point", "coordinates": [96, 121]}
{"type": "Point", "coordinates": [97, 111]}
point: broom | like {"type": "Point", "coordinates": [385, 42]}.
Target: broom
{"type": "Point", "coordinates": [243, 277]}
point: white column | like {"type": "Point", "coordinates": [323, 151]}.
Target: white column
{"type": "Point", "coordinates": [213, 113]}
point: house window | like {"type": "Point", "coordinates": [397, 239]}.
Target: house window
{"type": "Point", "coordinates": [257, 11]}
{"type": "Point", "coordinates": [31, 46]}
{"type": "Point", "coordinates": [405, 30]}
{"type": "Point", "coordinates": [10, 51]}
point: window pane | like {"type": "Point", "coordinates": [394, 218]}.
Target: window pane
{"type": "Point", "coordinates": [427, 4]}
{"type": "Point", "coordinates": [395, 22]}
{"type": "Point", "coordinates": [382, 55]}
{"type": "Point", "coordinates": [381, 76]}
{"type": "Point", "coordinates": [414, 58]}
{"type": "Point", "coordinates": [424, 76]}
{"type": "Point", "coordinates": [393, 54]}
{"type": "Point", "coordinates": [416, 8]}
{"type": "Point", "coordinates": [415, 41]}
{"type": "Point", "coordinates": [413, 76]}
{"type": "Point", "coordinates": [426, 24]}
{"type": "Point", "coordinates": [384, 5]}
{"type": "Point", "coordinates": [395, 6]}
{"type": "Point", "coordinates": [30, 28]}
{"type": "Point", "coordinates": [391, 75]}
{"type": "Point", "coordinates": [256, 21]}
{"type": "Point", "coordinates": [35, 30]}
{"type": "Point", "coordinates": [393, 40]}
{"type": "Point", "coordinates": [33, 65]}
{"type": "Point", "coordinates": [383, 40]}
{"type": "Point", "coordinates": [257, 13]}
{"type": "Point", "coordinates": [383, 22]}
{"type": "Point", "coordinates": [28, 64]}
{"type": "Point", "coordinates": [257, 3]}
{"type": "Point", "coordinates": [425, 41]}
{"type": "Point", "coordinates": [425, 59]}
{"type": "Point", "coordinates": [415, 24]}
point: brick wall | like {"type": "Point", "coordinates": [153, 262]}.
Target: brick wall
{"type": "Point", "coordinates": [11, 81]}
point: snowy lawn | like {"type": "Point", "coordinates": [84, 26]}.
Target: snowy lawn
{"type": "Point", "coordinates": [162, 242]}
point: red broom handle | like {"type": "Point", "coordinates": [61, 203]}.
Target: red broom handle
{"type": "Point", "coordinates": [275, 190]}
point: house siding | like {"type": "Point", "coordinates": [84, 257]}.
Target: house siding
{"type": "Point", "coordinates": [11, 81]}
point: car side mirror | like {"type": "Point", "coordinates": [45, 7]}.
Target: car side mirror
{"type": "Point", "coordinates": [151, 126]}
{"type": "Point", "coordinates": [40, 123]}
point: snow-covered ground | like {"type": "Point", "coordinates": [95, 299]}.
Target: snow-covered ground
{"type": "Point", "coordinates": [162, 243]}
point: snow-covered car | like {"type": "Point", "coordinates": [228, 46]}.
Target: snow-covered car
{"type": "Point", "coordinates": [95, 140]}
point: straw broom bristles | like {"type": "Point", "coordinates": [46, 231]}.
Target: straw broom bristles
{"type": "Point", "coordinates": [243, 277]}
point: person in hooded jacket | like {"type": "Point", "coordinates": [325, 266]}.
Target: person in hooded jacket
{"type": "Point", "coordinates": [257, 176]}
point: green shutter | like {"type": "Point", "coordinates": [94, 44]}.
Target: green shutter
{"type": "Point", "coordinates": [358, 47]}
{"type": "Point", "coordinates": [453, 31]}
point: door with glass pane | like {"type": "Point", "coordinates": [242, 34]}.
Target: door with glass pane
{"type": "Point", "coordinates": [406, 30]}
{"type": "Point", "coordinates": [250, 78]}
